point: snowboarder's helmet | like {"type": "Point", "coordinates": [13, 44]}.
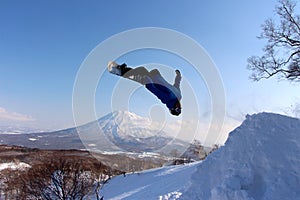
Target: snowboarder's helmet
{"type": "Point", "coordinates": [176, 110]}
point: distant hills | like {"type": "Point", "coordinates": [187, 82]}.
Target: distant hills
{"type": "Point", "coordinates": [10, 129]}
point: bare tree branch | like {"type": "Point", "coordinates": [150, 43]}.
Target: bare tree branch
{"type": "Point", "coordinates": [282, 51]}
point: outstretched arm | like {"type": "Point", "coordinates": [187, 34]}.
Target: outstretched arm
{"type": "Point", "coordinates": [177, 79]}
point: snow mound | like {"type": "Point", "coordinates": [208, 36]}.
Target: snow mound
{"type": "Point", "coordinates": [260, 160]}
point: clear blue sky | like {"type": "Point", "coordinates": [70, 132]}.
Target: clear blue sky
{"type": "Point", "coordinates": [43, 43]}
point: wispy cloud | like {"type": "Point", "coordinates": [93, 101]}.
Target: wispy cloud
{"type": "Point", "coordinates": [14, 116]}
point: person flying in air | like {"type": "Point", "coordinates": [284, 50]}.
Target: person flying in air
{"type": "Point", "coordinates": [169, 94]}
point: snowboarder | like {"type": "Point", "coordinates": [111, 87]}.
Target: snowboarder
{"type": "Point", "coordinates": [154, 82]}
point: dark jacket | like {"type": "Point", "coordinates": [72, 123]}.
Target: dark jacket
{"type": "Point", "coordinates": [167, 93]}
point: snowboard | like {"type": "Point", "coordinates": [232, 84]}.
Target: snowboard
{"type": "Point", "coordinates": [136, 75]}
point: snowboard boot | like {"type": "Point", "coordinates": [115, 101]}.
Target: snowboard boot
{"type": "Point", "coordinates": [114, 68]}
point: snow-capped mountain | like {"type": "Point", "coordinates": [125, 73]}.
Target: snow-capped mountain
{"type": "Point", "coordinates": [133, 133]}
{"type": "Point", "coordinates": [260, 160]}
{"type": "Point", "coordinates": [127, 132]}
{"type": "Point", "coordinates": [117, 131]}
{"type": "Point", "coordinates": [122, 124]}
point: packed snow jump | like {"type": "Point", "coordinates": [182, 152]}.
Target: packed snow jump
{"type": "Point", "coordinates": [169, 94]}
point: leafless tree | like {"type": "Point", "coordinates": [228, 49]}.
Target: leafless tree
{"type": "Point", "coordinates": [57, 179]}
{"type": "Point", "coordinates": [63, 179]}
{"type": "Point", "coordinates": [10, 184]}
{"type": "Point", "coordinates": [282, 51]}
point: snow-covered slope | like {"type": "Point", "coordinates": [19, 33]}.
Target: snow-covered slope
{"type": "Point", "coordinates": [260, 160]}
{"type": "Point", "coordinates": [162, 183]}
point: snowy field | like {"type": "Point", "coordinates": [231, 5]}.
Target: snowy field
{"type": "Point", "coordinates": [261, 160]}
